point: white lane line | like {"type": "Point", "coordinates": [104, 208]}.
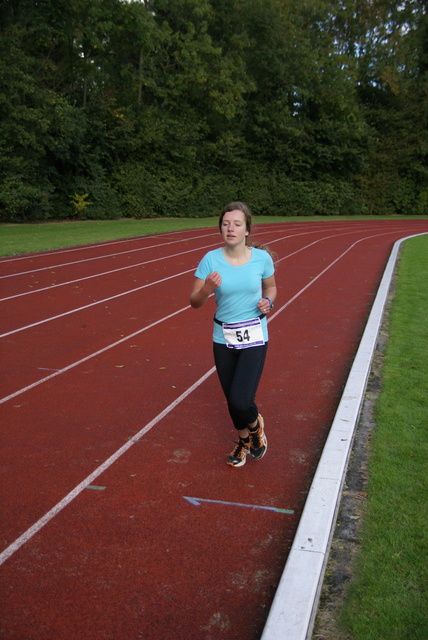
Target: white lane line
{"type": "Point", "coordinates": [75, 249]}
{"type": "Point", "coordinates": [129, 291]}
{"type": "Point", "coordinates": [71, 366]}
{"type": "Point", "coordinates": [35, 528]}
{"type": "Point", "coordinates": [93, 304]}
{"type": "Point", "coordinates": [106, 273]}
{"type": "Point", "coordinates": [24, 538]}
{"type": "Point", "coordinates": [108, 255]}
{"type": "Point", "coordinates": [121, 253]}
{"type": "Point", "coordinates": [137, 264]}
{"type": "Point", "coordinates": [109, 243]}
{"type": "Point", "coordinates": [90, 356]}
{"type": "Point", "coordinates": [131, 266]}
{"type": "Point", "coordinates": [321, 273]}
{"type": "Point", "coordinates": [294, 607]}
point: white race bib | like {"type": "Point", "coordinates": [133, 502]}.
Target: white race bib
{"type": "Point", "coordinates": [241, 335]}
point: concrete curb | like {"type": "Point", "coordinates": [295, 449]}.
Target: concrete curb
{"type": "Point", "coordinates": [295, 604]}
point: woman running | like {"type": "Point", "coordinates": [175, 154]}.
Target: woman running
{"type": "Point", "coordinates": [242, 279]}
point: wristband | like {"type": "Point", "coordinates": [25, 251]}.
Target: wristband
{"type": "Point", "coordinates": [270, 302]}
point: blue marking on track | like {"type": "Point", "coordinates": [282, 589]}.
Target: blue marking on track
{"type": "Point", "coordinates": [197, 501]}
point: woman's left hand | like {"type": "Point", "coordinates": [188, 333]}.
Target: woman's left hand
{"type": "Point", "coordinates": [263, 305]}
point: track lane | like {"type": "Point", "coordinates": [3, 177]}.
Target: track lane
{"type": "Point", "coordinates": [143, 372]}
{"type": "Point", "coordinates": [55, 275]}
{"type": "Point", "coordinates": [92, 325]}
{"type": "Point", "coordinates": [161, 525]}
{"type": "Point", "coordinates": [35, 262]}
{"type": "Point", "coordinates": [79, 271]}
{"type": "Point", "coordinates": [94, 293]}
{"type": "Point", "coordinates": [80, 386]}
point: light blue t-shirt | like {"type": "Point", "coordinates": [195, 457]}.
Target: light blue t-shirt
{"type": "Point", "coordinates": [240, 289]}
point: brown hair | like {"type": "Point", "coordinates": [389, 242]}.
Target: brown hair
{"type": "Point", "coordinates": [241, 206]}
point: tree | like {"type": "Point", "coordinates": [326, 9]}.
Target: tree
{"type": "Point", "coordinates": [169, 108]}
{"type": "Point", "coordinates": [392, 87]}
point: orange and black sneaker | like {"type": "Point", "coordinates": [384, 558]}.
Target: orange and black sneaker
{"type": "Point", "coordinates": [238, 456]}
{"type": "Point", "coordinates": [258, 440]}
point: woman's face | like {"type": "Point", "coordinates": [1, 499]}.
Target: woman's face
{"type": "Point", "coordinates": [234, 228]}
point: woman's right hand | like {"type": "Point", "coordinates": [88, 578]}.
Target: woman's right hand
{"type": "Point", "coordinates": [202, 289]}
{"type": "Point", "coordinates": [212, 281]}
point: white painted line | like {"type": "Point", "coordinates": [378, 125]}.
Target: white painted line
{"type": "Point", "coordinates": [94, 304]}
{"type": "Point", "coordinates": [110, 255]}
{"type": "Point", "coordinates": [188, 238]}
{"type": "Point", "coordinates": [321, 273]}
{"type": "Point", "coordinates": [89, 357]}
{"type": "Point", "coordinates": [95, 245]}
{"type": "Point", "coordinates": [309, 566]}
{"type": "Point", "coordinates": [109, 243]}
{"type": "Point", "coordinates": [294, 607]}
{"type": "Point", "coordinates": [150, 284]}
{"type": "Point", "coordinates": [134, 264]}
{"type": "Point", "coordinates": [25, 537]}
{"type": "Point", "coordinates": [114, 344]}
{"type": "Point", "coordinates": [105, 273]}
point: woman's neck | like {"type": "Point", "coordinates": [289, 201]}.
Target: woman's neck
{"type": "Point", "coordinates": [240, 254]}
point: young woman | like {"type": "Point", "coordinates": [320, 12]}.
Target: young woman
{"type": "Point", "coordinates": [242, 279]}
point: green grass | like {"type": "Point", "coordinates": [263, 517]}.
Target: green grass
{"type": "Point", "coordinates": [27, 238]}
{"type": "Point", "coordinates": [388, 598]}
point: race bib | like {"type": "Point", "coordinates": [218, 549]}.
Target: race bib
{"type": "Point", "coordinates": [241, 335]}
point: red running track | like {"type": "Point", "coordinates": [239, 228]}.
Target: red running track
{"type": "Point", "coordinates": [120, 517]}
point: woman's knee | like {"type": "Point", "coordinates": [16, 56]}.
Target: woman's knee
{"type": "Point", "coordinates": [245, 410]}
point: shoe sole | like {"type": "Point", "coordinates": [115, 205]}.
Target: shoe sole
{"type": "Point", "coordinates": [238, 464]}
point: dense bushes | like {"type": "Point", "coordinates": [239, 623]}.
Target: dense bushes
{"type": "Point", "coordinates": [111, 108]}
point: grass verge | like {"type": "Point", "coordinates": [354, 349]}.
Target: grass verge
{"type": "Point", "coordinates": [387, 598]}
{"type": "Point", "coordinates": [28, 238]}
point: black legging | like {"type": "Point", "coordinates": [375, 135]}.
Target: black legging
{"type": "Point", "coordinates": [239, 371]}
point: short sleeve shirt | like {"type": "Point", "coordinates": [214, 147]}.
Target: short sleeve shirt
{"type": "Point", "coordinates": [240, 289]}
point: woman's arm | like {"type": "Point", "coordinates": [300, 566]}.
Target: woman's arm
{"type": "Point", "coordinates": [268, 291]}
{"type": "Point", "coordinates": [202, 289]}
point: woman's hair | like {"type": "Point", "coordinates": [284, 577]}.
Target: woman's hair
{"type": "Point", "coordinates": [241, 206]}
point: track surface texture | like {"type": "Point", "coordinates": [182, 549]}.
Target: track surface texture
{"type": "Point", "coordinates": [120, 518]}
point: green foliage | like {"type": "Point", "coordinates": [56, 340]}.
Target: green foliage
{"type": "Point", "coordinates": [80, 203]}
{"type": "Point", "coordinates": [170, 108]}
{"type": "Point", "coordinates": [20, 200]}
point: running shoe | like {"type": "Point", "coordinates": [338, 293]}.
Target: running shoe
{"type": "Point", "coordinates": [258, 440]}
{"type": "Point", "coordinates": [238, 456]}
